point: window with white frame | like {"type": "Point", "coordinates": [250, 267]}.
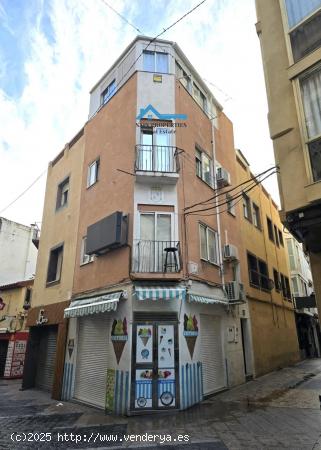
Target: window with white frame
{"type": "Point", "coordinates": [310, 83]}
{"type": "Point", "coordinates": [108, 92]}
{"type": "Point", "coordinates": [304, 21]}
{"type": "Point", "coordinates": [92, 175]}
{"type": "Point", "coordinates": [256, 216]}
{"type": "Point", "coordinates": [204, 167]}
{"type": "Point", "coordinates": [246, 206]}
{"type": "Point", "coordinates": [62, 193]}
{"type": "Point", "coordinates": [209, 244]}
{"type": "Point", "coordinates": [55, 264]}
{"type": "Point", "coordinates": [199, 97]}
{"type": "Point", "coordinates": [155, 61]}
{"type": "Point", "coordinates": [230, 204]}
{"type": "Point", "coordinates": [183, 77]}
{"type": "Point", "coordinates": [84, 257]}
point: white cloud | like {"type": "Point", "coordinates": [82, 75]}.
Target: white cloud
{"type": "Point", "coordinates": [219, 38]}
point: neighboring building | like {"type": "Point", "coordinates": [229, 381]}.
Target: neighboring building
{"type": "Point", "coordinates": [15, 301]}
{"type": "Point", "coordinates": [290, 36]}
{"type": "Point", "coordinates": [142, 246]}
{"type": "Point", "coordinates": [55, 268]}
{"type": "Point", "coordinates": [267, 282]}
{"type": "Point", "coordinates": [18, 252]}
{"type": "Point", "coordinates": [304, 299]}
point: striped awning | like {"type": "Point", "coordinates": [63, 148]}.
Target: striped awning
{"type": "Point", "coordinates": [93, 305]}
{"type": "Point", "coordinates": [159, 293]}
{"type": "Point", "coordinates": [206, 299]}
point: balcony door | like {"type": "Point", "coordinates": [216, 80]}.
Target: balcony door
{"type": "Point", "coordinates": [155, 236]}
{"type": "Point", "coordinates": [156, 154]}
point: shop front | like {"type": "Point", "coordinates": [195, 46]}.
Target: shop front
{"type": "Point", "coordinates": [46, 348]}
{"type": "Point", "coordinates": [147, 348]}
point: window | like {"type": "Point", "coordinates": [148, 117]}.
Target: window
{"type": "Point", "coordinates": [230, 204]}
{"type": "Point", "coordinates": [246, 207]}
{"type": "Point", "coordinates": [183, 77]}
{"type": "Point", "coordinates": [281, 238]}
{"type": "Point", "coordinates": [92, 176]}
{"type": "Point", "coordinates": [310, 83]}
{"type": "Point", "coordinates": [199, 97]}
{"type": "Point", "coordinates": [62, 194]}
{"type": "Point", "coordinates": [295, 286]}
{"type": "Point", "coordinates": [108, 92]}
{"type": "Point", "coordinates": [55, 264]}
{"type": "Point", "coordinates": [291, 255]}
{"type": "Point", "coordinates": [276, 279]}
{"type": "Point", "coordinates": [270, 229]}
{"type": "Point", "coordinates": [285, 284]}
{"type": "Point", "coordinates": [276, 236]}
{"type": "Point", "coordinates": [28, 296]}
{"type": "Point", "coordinates": [258, 272]}
{"type": "Point", "coordinates": [84, 258]}
{"type": "Point", "coordinates": [155, 62]}
{"type": "Point", "coordinates": [204, 167]}
{"type": "Point", "coordinates": [297, 10]}
{"type": "Point", "coordinates": [209, 244]}
{"type": "Point", "coordinates": [256, 216]}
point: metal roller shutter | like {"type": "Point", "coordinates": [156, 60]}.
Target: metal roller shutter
{"type": "Point", "coordinates": [92, 359]}
{"type": "Point", "coordinates": [46, 359]}
{"type": "Point", "coordinates": [212, 353]}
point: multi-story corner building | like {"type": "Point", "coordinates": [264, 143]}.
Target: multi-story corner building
{"type": "Point", "coordinates": [304, 299]}
{"type": "Point", "coordinates": [18, 255]}
{"type": "Point", "coordinates": [150, 324]}
{"type": "Point", "coordinates": [55, 269]}
{"type": "Point", "coordinates": [15, 301]}
{"type": "Point", "coordinates": [267, 282]}
{"type": "Point", "coordinates": [290, 32]}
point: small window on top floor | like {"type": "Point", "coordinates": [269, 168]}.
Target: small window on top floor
{"type": "Point", "coordinates": [256, 216]}
{"type": "Point", "coordinates": [246, 207]}
{"type": "Point", "coordinates": [155, 61]}
{"type": "Point", "coordinates": [281, 238]}
{"type": "Point", "coordinates": [199, 97]}
{"type": "Point", "coordinates": [183, 77]}
{"type": "Point", "coordinates": [108, 92]}
{"type": "Point", "coordinates": [62, 194]}
{"type": "Point", "coordinates": [230, 204]}
{"type": "Point", "coordinates": [270, 229]}
{"type": "Point", "coordinates": [55, 264]}
{"type": "Point", "coordinates": [92, 175]}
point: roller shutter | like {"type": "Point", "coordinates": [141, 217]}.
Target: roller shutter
{"type": "Point", "coordinates": [212, 353]}
{"type": "Point", "coordinates": [92, 359]}
{"type": "Point", "coordinates": [46, 358]}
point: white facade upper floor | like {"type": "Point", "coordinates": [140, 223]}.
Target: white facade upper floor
{"type": "Point", "coordinates": [18, 254]}
{"type": "Point", "coordinates": [161, 57]}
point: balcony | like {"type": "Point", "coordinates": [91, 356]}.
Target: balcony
{"type": "Point", "coordinates": [157, 160]}
{"type": "Point", "coordinates": [151, 257]}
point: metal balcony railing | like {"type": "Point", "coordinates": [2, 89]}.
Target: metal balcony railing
{"type": "Point", "coordinates": [156, 256]}
{"type": "Point", "coordinates": [156, 158]}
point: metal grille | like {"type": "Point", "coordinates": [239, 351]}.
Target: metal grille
{"type": "Point", "coordinates": [156, 158]}
{"type": "Point", "coordinates": [46, 359]}
{"type": "Point", "coordinates": [156, 256]}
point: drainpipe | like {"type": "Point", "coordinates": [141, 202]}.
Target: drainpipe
{"type": "Point", "coordinates": [217, 207]}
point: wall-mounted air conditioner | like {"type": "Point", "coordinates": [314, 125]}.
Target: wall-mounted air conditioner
{"type": "Point", "coordinates": [230, 252]}
{"type": "Point", "coordinates": [235, 291]}
{"type": "Point", "coordinates": [107, 234]}
{"type": "Point", "coordinates": [223, 177]}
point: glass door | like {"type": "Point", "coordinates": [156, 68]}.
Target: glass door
{"type": "Point", "coordinates": [155, 365]}
{"type": "Point", "coordinates": [145, 159]}
{"type": "Point", "coordinates": [163, 160]}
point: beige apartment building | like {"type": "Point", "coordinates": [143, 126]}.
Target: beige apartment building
{"type": "Point", "coordinates": [290, 32]}
{"type": "Point", "coordinates": [267, 282]}
{"type": "Point", "coordinates": [143, 260]}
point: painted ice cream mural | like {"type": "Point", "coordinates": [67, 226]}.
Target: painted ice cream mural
{"type": "Point", "coordinates": [190, 332]}
{"type": "Point", "coordinates": [119, 337]}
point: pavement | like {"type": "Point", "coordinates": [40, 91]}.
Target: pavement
{"type": "Point", "coordinates": [279, 410]}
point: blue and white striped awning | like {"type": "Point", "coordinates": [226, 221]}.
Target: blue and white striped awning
{"type": "Point", "coordinates": [93, 305]}
{"type": "Point", "coordinates": [159, 293]}
{"type": "Point", "coordinates": [206, 299]}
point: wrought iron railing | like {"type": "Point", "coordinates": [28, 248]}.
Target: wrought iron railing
{"type": "Point", "coordinates": [156, 158]}
{"type": "Point", "coordinates": [156, 256]}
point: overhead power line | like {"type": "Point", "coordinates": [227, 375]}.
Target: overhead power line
{"type": "Point", "coordinates": [22, 193]}
{"type": "Point", "coordinates": [121, 16]}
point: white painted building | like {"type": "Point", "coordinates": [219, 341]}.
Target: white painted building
{"type": "Point", "coordinates": [18, 253]}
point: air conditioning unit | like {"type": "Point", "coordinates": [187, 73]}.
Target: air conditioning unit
{"type": "Point", "coordinates": [230, 252]}
{"type": "Point", "coordinates": [223, 177]}
{"type": "Point", "coordinates": [235, 291]}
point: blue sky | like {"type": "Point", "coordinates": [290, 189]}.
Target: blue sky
{"type": "Point", "coordinates": [53, 51]}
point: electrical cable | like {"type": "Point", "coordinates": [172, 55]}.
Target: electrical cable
{"type": "Point", "coordinates": [121, 16]}
{"type": "Point", "coordinates": [26, 190]}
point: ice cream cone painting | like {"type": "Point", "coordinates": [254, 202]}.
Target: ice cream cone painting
{"type": "Point", "coordinates": [144, 334]}
{"type": "Point", "coordinates": [144, 343]}
{"type": "Point", "coordinates": [190, 332]}
{"type": "Point", "coordinates": [144, 339]}
{"type": "Point", "coordinates": [119, 337]}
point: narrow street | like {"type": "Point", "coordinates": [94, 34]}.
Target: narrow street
{"type": "Point", "coordinates": [279, 410]}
